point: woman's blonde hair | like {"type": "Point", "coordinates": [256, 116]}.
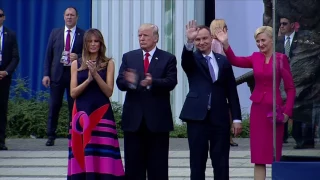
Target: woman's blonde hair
{"type": "Point", "coordinates": [102, 60]}
{"type": "Point", "coordinates": [264, 29]}
{"type": "Point", "coordinates": [217, 23]}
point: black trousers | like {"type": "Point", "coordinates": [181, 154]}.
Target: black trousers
{"type": "Point", "coordinates": [285, 132]}
{"type": "Point", "coordinates": [57, 90]}
{"type": "Point", "coordinates": [303, 129]}
{"type": "Point", "coordinates": [204, 136]}
{"type": "Point", "coordinates": [4, 98]}
{"type": "Point", "coordinates": [146, 152]}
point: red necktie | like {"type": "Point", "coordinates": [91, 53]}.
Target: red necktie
{"type": "Point", "coordinates": [146, 63]}
{"type": "Point", "coordinates": [67, 48]}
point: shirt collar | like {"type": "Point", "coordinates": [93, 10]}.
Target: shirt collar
{"type": "Point", "coordinates": [72, 29]}
{"type": "Point", "coordinates": [210, 55]}
{"type": "Point", "coordinates": [291, 36]}
{"type": "Point", "coordinates": [150, 52]}
{"type": "Point", "coordinates": [1, 29]}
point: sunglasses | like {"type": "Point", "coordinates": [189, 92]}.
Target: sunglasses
{"type": "Point", "coordinates": [1, 15]}
{"type": "Point", "coordinates": [284, 23]}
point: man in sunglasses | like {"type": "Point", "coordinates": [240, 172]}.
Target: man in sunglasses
{"type": "Point", "coordinates": [302, 128]}
{"type": "Point", "coordinates": [286, 44]}
{"type": "Point", "coordinates": [9, 59]}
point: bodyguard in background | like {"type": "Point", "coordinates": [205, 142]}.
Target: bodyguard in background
{"type": "Point", "coordinates": [64, 46]}
{"type": "Point", "coordinates": [9, 60]}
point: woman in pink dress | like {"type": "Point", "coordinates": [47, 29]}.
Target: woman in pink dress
{"type": "Point", "coordinates": [217, 47]}
{"type": "Point", "coordinates": [261, 128]}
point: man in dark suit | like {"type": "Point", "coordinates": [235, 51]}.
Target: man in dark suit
{"type": "Point", "coordinates": [206, 111]}
{"type": "Point", "coordinates": [302, 116]}
{"type": "Point", "coordinates": [147, 75]}
{"type": "Point", "coordinates": [286, 43]}
{"type": "Point", "coordinates": [9, 60]}
{"type": "Point", "coordinates": [64, 45]}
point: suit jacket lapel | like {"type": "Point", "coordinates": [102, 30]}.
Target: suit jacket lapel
{"type": "Point", "coordinates": [77, 38]}
{"type": "Point", "coordinates": [293, 44]}
{"type": "Point", "coordinates": [4, 40]}
{"type": "Point", "coordinates": [140, 65]}
{"type": "Point", "coordinates": [61, 38]}
{"type": "Point", "coordinates": [202, 64]}
{"type": "Point", "coordinates": [220, 65]}
{"type": "Point", "coordinates": [154, 60]}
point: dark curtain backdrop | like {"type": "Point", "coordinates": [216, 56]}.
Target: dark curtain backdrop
{"type": "Point", "coordinates": [33, 20]}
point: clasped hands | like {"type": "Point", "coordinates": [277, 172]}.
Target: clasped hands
{"type": "Point", "coordinates": [92, 69]}
{"type": "Point", "coordinates": [130, 76]}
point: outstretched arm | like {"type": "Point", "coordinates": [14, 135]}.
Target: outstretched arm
{"type": "Point", "coordinates": [243, 62]}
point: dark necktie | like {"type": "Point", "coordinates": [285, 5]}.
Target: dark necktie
{"type": "Point", "coordinates": [67, 48]}
{"type": "Point", "coordinates": [287, 46]}
{"type": "Point", "coordinates": [146, 63]}
{"type": "Point", "coordinates": [213, 76]}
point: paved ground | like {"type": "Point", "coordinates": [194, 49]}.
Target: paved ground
{"type": "Point", "coordinates": [176, 144]}
{"type": "Point", "coordinates": [30, 159]}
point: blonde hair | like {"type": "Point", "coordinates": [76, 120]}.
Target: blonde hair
{"type": "Point", "coordinates": [154, 28]}
{"type": "Point", "coordinates": [264, 29]}
{"type": "Point", "coordinates": [217, 23]}
{"type": "Point", "coordinates": [101, 61]}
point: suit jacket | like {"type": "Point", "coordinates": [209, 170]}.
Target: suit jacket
{"type": "Point", "coordinates": [281, 42]}
{"type": "Point", "coordinates": [52, 66]}
{"type": "Point", "coordinates": [195, 107]}
{"type": "Point", "coordinates": [263, 75]}
{"type": "Point", "coordinates": [10, 52]}
{"type": "Point", "coordinates": [151, 105]}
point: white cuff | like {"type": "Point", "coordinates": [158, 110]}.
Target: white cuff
{"type": "Point", "coordinates": [189, 46]}
{"type": "Point", "coordinates": [237, 121]}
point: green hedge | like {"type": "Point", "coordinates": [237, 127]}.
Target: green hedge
{"type": "Point", "coordinates": [29, 117]}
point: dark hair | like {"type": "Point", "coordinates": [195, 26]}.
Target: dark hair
{"type": "Point", "coordinates": [71, 7]}
{"type": "Point", "coordinates": [2, 10]}
{"type": "Point", "coordinates": [204, 27]}
{"type": "Point", "coordinates": [290, 18]}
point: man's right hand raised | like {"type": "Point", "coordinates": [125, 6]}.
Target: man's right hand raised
{"type": "Point", "coordinates": [192, 31]}
{"type": "Point", "coordinates": [46, 81]}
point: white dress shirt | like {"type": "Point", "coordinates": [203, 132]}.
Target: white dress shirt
{"type": "Point", "coordinates": [1, 37]}
{"type": "Point", "coordinates": [291, 38]}
{"type": "Point", "coordinates": [150, 53]}
{"type": "Point", "coordinates": [72, 36]}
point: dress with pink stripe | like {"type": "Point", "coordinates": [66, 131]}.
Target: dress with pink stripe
{"type": "Point", "coordinates": [94, 152]}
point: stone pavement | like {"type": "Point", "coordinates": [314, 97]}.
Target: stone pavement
{"type": "Point", "coordinates": [30, 159]}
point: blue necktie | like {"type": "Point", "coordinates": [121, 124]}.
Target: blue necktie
{"type": "Point", "coordinates": [213, 76]}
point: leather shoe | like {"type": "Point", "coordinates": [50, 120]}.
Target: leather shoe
{"type": "Point", "coordinates": [3, 147]}
{"type": "Point", "coordinates": [233, 144]}
{"type": "Point", "coordinates": [50, 142]}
